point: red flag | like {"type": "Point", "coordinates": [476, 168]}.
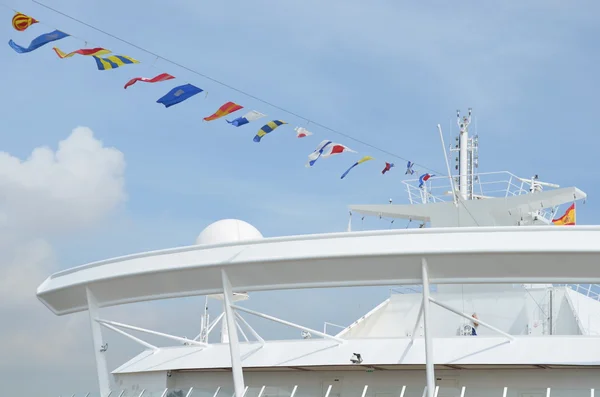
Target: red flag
{"type": "Point", "coordinates": [388, 166]}
{"type": "Point", "coordinates": [159, 78]}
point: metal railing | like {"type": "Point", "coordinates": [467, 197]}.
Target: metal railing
{"type": "Point", "coordinates": [485, 185]}
{"type": "Point", "coordinates": [330, 390]}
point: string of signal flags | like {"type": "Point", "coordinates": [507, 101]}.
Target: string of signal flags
{"type": "Point", "coordinates": [106, 60]}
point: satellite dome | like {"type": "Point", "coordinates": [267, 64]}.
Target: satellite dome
{"type": "Point", "coordinates": [228, 231]}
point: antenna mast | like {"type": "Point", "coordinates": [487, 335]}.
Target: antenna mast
{"type": "Point", "coordinates": [468, 157]}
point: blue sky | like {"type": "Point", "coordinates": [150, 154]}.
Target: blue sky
{"type": "Point", "coordinates": [385, 73]}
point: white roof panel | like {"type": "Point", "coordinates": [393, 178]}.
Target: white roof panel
{"type": "Point", "coordinates": [540, 254]}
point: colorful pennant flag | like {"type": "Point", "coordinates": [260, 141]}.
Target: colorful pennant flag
{"type": "Point", "coordinates": [424, 178]}
{"type": "Point", "coordinates": [326, 149]}
{"type": "Point", "coordinates": [568, 219]}
{"type": "Point", "coordinates": [38, 41]}
{"type": "Point", "coordinates": [224, 110]}
{"type": "Point", "coordinates": [179, 94]}
{"type": "Point", "coordinates": [267, 128]}
{"type": "Point", "coordinates": [366, 158]}
{"type": "Point", "coordinates": [113, 61]}
{"type": "Point", "coordinates": [245, 119]}
{"type": "Point", "coordinates": [302, 132]}
{"type": "Point", "coordinates": [409, 169]}
{"type": "Point", "coordinates": [21, 21]}
{"type": "Point", "coordinates": [156, 79]}
{"type": "Point", "coordinates": [83, 51]}
{"type": "Point", "coordinates": [388, 166]}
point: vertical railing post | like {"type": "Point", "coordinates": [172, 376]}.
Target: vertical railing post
{"type": "Point", "coordinates": [99, 346]}
{"type": "Point", "coordinates": [262, 390]}
{"type": "Point", "coordinates": [234, 346]}
{"type": "Point", "coordinates": [429, 369]}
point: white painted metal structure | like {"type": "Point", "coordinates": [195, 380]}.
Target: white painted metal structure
{"type": "Point", "coordinates": [443, 256]}
{"type": "Point", "coordinates": [465, 246]}
{"type": "Point", "coordinates": [454, 256]}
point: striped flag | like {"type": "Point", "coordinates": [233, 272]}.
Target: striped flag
{"type": "Point", "coordinates": [156, 79]}
{"type": "Point", "coordinates": [568, 218]}
{"type": "Point", "coordinates": [113, 61]}
{"type": "Point", "coordinates": [83, 51]}
{"type": "Point", "coordinates": [21, 21]}
{"type": "Point", "coordinates": [224, 110]}
{"type": "Point", "coordinates": [267, 128]}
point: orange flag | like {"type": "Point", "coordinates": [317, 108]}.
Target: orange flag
{"type": "Point", "coordinates": [224, 110]}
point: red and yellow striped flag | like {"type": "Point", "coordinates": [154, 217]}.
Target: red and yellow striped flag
{"type": "Point", "coordinates": [83, 51]}
{"type": "Point", "coordinates": [568, 219]}
{"type": "Point", "coordinates": [224, 110]}
{"type": "Point", "coordinates": [21, 21]}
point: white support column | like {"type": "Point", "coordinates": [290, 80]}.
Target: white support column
{"type": "Point", "coordinates": [224, 331]}
{"type": "Point", "coordinates": [428, 342]}
{"type": "Point", "coordinates": [234, 346]}
{"type": "Point", "coordinates": [99, 350]}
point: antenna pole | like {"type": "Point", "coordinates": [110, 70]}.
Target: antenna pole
{"type": "Point", "coordinates": [463, 142]}
{"type": "Point", "coordinates": [448, 166]}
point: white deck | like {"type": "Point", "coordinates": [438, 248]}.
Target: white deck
{"type": "Point", "coordinates": [385, 352]}
{"type": "Point", "coordinates": [455, 255]}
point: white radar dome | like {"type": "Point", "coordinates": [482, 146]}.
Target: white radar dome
{"type": "Point", "coordinates": [228, 231]}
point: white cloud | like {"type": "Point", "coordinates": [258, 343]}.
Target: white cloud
{"type": "Point", "coordinates": [72, 187]}
{"type": "Point", "coordinates": [49, 193]}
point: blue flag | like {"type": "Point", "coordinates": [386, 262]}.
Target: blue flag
{"type": "Point", "coordinates": [38, 41]}
{"type": "Point", "coordinates": [239, 121]}
{"type": "Point", "coordinates": [179, 94]}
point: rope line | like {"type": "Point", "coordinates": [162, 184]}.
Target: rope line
{"type": "Point", "coordinates": [223, 84]}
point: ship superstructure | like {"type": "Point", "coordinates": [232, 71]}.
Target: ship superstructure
{"type": "Point", "coordinates": [494, 299]}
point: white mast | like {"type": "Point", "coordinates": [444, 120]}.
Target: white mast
{"type": "Point", "coordinates": [467, 156]}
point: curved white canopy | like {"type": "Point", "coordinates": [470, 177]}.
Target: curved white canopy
{"type": "Point", "coordinates": [539, 254]}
